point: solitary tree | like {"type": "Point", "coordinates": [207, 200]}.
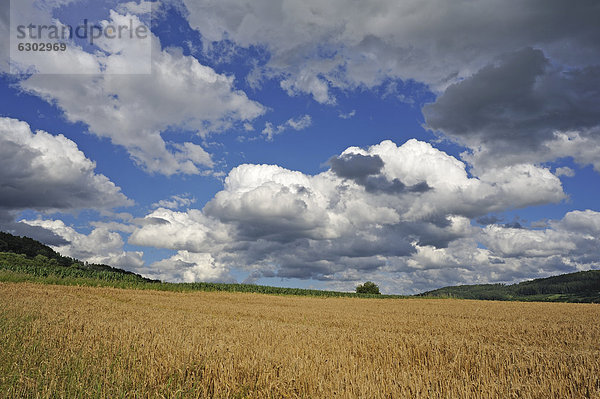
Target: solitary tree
{"type": "Point", "coordinates": [368, 288]}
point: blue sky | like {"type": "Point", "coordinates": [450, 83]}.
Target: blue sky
{"type": "Point", "coordinates": [309, 145]}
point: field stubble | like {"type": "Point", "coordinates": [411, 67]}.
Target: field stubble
{"type": "Point", "coordinates": [60, 341]}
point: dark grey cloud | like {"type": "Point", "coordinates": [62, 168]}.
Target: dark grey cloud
{"type": "Point", "coordinates": [149, 221]}
{"type": "Point", "coordinates": [492, 219]}
{"type": "Point", "coordinates": [274, 228]}
{"type": "Point", "coordinates": [389, 241]}
{"type": "Point", "coordinates": [252, 278]}
{"type": "Point", "coordinates": [557, 265]}
{"type": "Point", "coordinates": [513, 225]}
{"type": "Point", "coordinates": [353, 254]}
{"type": "Point", "coordinates": [439, 221]}
{"type": "Point", "coordinates": [516, 104]}
{"type": "Point", "coordinates": [498, 99]}
{"type": "Point", "coordinates": [379, 184]}
{"type": "Point", "coordinates": [488, 219]}
{"type": "Point", "coordinates": [291, 267]}
{"type": "Point", "coordinates": [356, 166]}
{"type": "Point", "coordinates": [425, 233]}
{"type": "Point", "coordinates": [39, 233]}
{"type": "Point", "coordinates": [365, 170]}
{"type": "Point", "coordinates": [318, 259]}
{"type": "Point", "coordinates": [16, 163]}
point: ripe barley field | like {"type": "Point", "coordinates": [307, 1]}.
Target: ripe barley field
{"type": "Point", "coordinates": [65, 341]}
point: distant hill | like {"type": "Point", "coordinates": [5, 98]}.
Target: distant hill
{"type": "Point", "coordinates": [572, 287]}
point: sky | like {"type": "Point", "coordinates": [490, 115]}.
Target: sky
{"type": "Point", "coordinates": [301, 143]}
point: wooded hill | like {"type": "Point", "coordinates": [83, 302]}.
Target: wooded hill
{"type": "Point", "coordinates": [572, 287]}
{"type": "Point", "coordinates": [26, 255]}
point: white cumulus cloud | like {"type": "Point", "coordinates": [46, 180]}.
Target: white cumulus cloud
{"type": "Point", "coordinates": [384, 209]}
{"type": "Point", "coordinates": [187, 267]}
{"type": "Point", "coordinates": [134, 111]}
{"type": "Point", "coordinates": [297, 124]}
{"type": "Point", "coordinates": [42, 171]}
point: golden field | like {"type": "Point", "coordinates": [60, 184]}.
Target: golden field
{"type": "Point", "coordinates": [60, 341]}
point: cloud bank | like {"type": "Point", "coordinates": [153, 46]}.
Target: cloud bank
{"type": "Point", "coordinates": [396, 210]}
